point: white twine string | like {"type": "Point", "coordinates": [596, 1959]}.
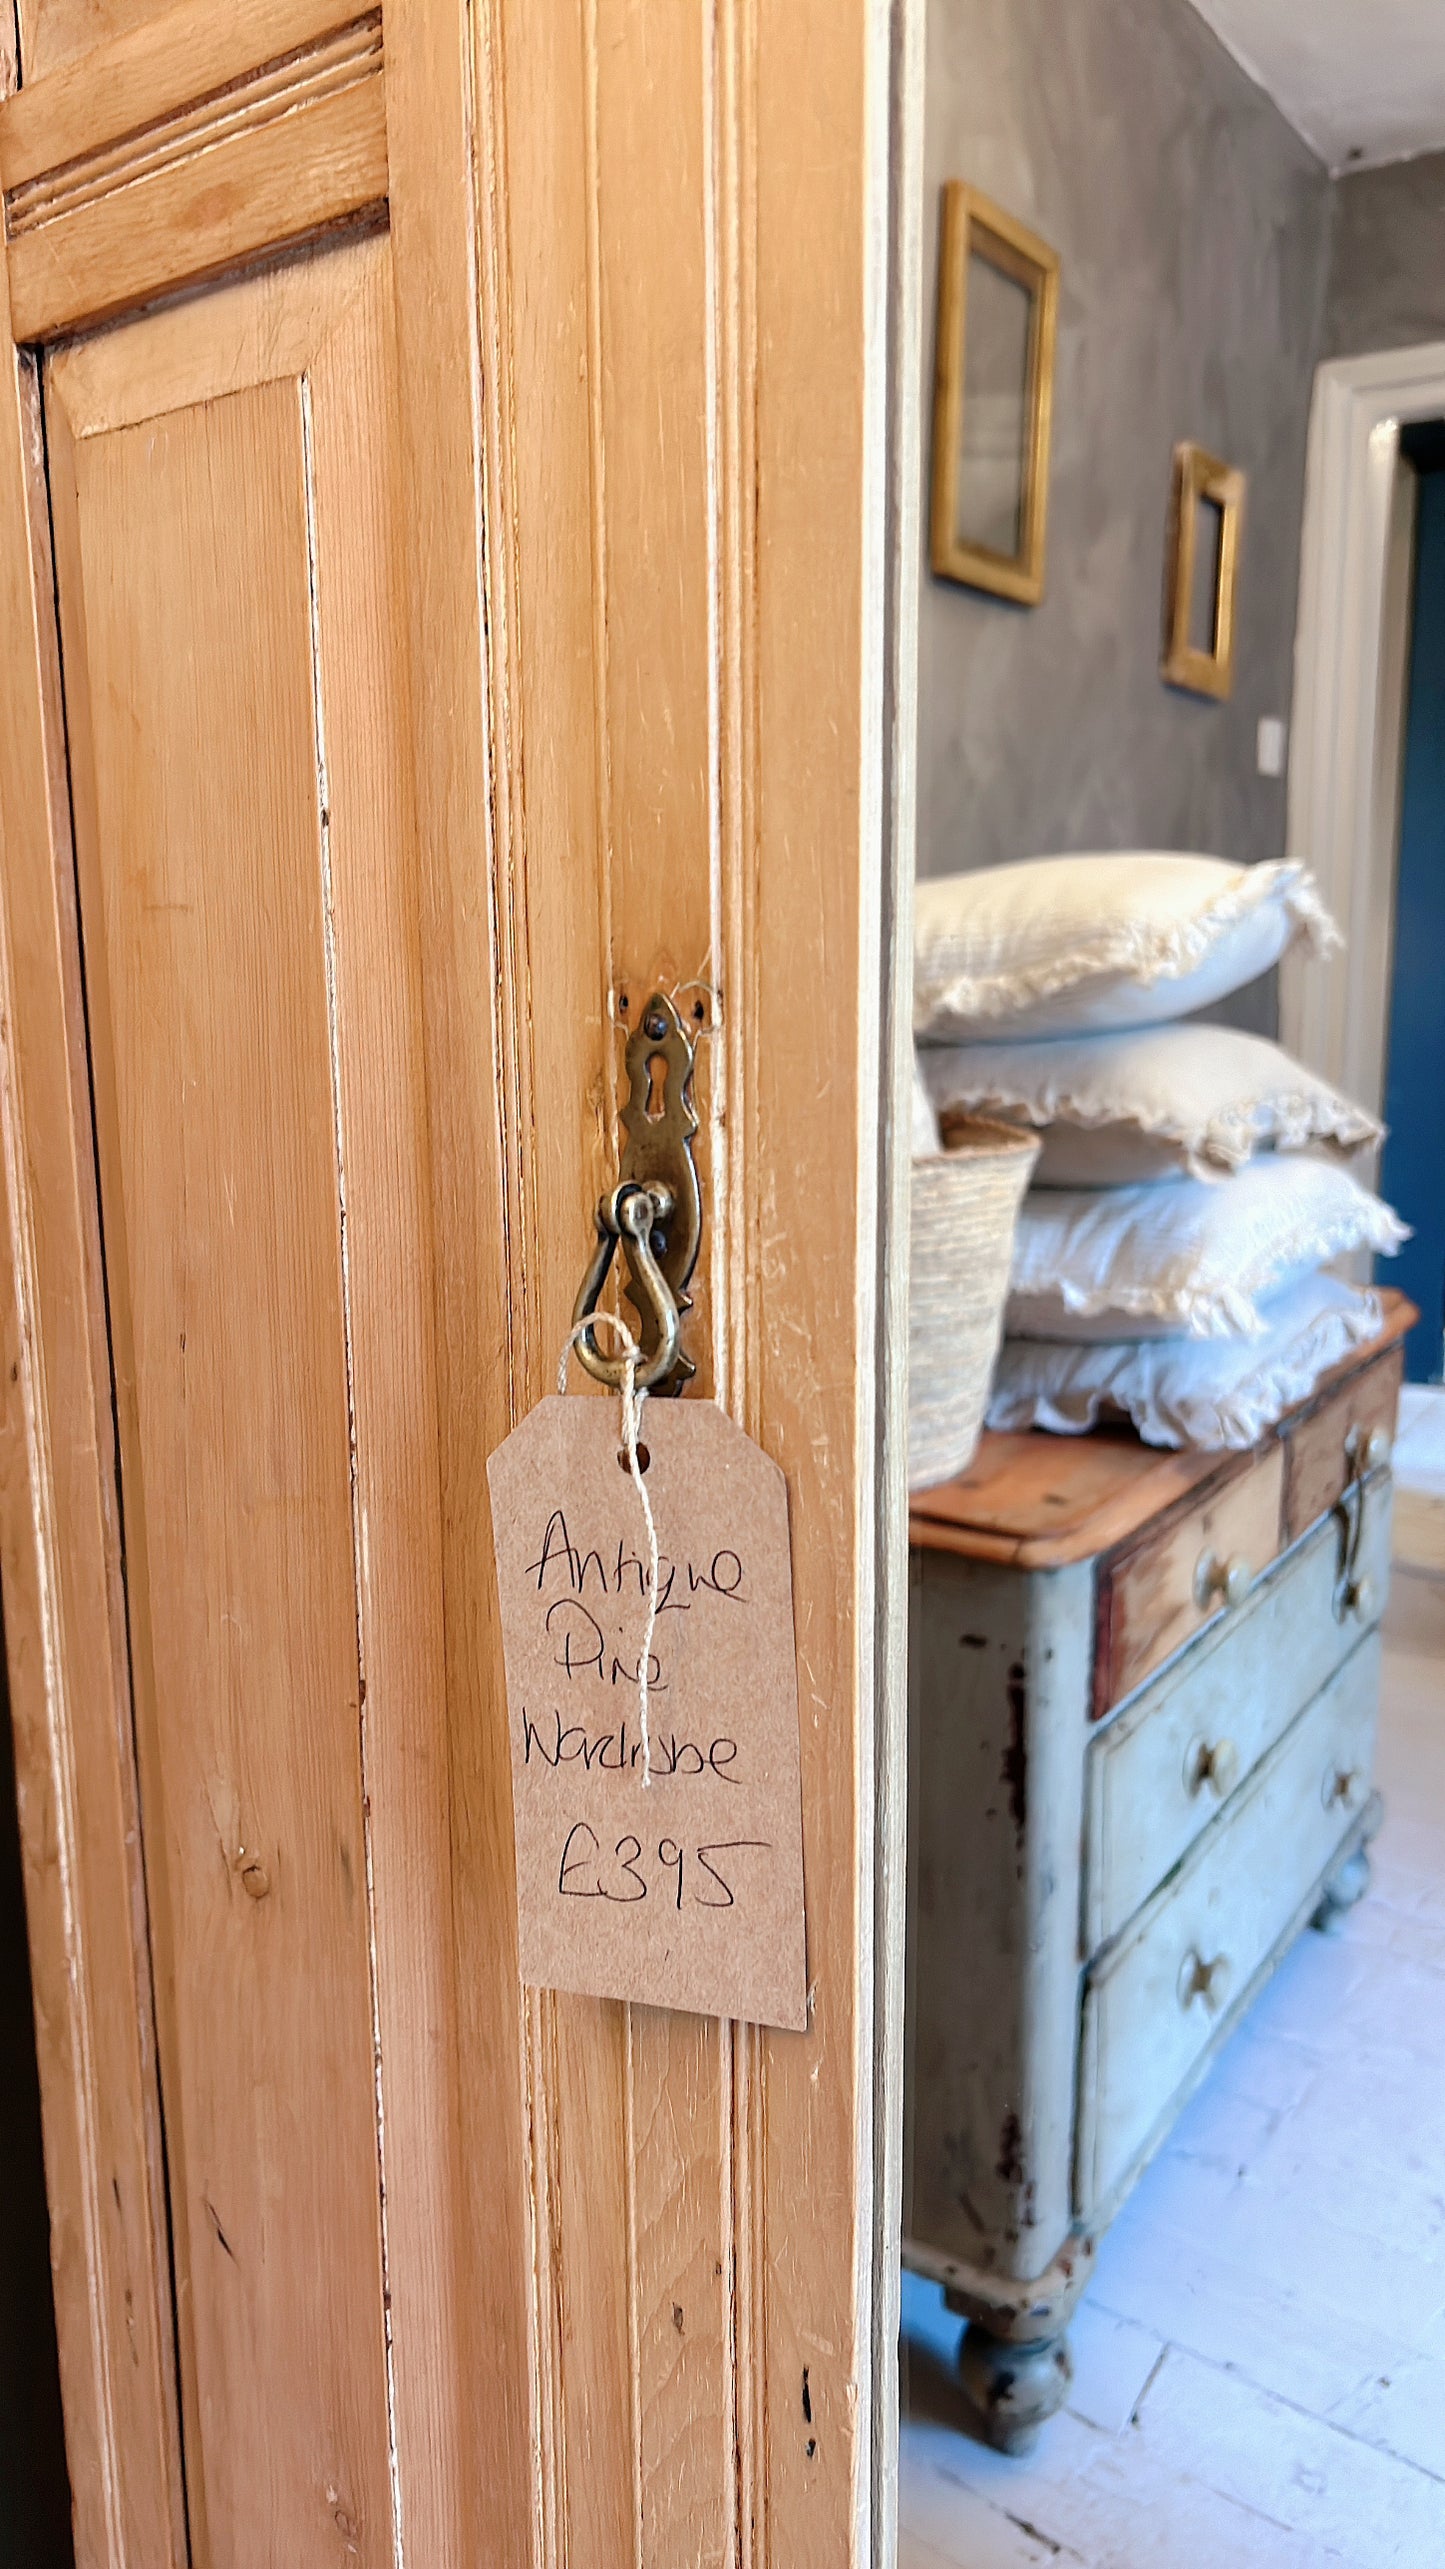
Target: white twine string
{"type": "Point", "coordinates": [632, 1400]}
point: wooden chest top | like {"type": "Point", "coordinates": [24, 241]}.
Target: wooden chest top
{"type": "Point", "coordinates": [1040, 1501]}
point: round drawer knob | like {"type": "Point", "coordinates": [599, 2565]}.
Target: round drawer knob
{"type": "Point", "coordinates": [1215, 1763]}
{"type": "Point", "coordinates": [1368, 1453]}
{"type": "Point", "coordinates": [1343, 1786]}
{"type": "Point", "coordinates": [1222, 1583]}
{"type": "Point", "coordinates": [1208, 1980]}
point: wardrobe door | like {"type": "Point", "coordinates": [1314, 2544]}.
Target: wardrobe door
{"type": "Point", "coordinates": [442, 555]}
{"type": "Point", "coordinates": [224, 483]}
{"type": "Point", "coordinates": [250, 1107]}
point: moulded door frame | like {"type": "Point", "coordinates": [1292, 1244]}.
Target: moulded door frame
{"type": "Point", "coordinates": [1351, 669]}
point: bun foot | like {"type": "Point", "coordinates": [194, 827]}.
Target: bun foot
{"type": "Point", "coordinates": [1341, 1892]}
{"type": "Point", "coordinates": [1014, 2388]}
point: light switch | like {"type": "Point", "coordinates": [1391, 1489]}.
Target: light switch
{"type": "Point", "coordinates": [1270, 756]}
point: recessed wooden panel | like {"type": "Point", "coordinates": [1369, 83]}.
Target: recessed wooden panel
{"type": "Point", "coordinates": [151, 75]}
{"type": "Point", "coordinates": [104, 214]}
{"type": "Point", "coordinates": [235, 694]}
{"type": "Point", "coordinates": [1149, 1605]}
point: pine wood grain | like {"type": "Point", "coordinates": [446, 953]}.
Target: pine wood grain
{"type": "Point", "coordinates": [482, 2471]}
{"type": "Point", "coordinates": [286, 180]}
{"type": "Point", "coordinates": [330, 320]}
{"type": "Point", "coordinates": [141, 65]}
{"type": "Point", "coordinates": [685, 656]}
{"type": "Point", "coordinates": [556, 1140]}
{"type": "Point", "coordinates": [656, 503]}
{"type": "Point", "coordinates": [65, 1618]}
{"type": "Point", "coordinates": [809, 945]}
{"type": "Point", "coordinates": [56, 32]}
{"type": "Point", "coordinates": [607, 705]}
{"type": "Point", "coordinates": [1043, 1501]}
{"type": "Point", "coordinates": [185, 581]}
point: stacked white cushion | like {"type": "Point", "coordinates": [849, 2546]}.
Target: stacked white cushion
{"type": "Point", "coordinates": [1162, 1102]}
{"type": "Point", "coordinates": [1187, 1391]}
{"type": "Point", "coordinates": [1067, 944]}
{"type": "Point", "coordinates": [1189, 1259]}
{"type": "Point", "coordinates": [1167, 1264]}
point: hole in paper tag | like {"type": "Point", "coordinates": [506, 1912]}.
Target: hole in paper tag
{"type": "Point", "coordinates": [686, 1890]}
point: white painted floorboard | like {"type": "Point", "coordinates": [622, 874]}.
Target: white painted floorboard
{"type": "Point", "coordinates": [1260, 2361]}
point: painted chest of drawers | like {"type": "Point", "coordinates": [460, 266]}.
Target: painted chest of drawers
{"type": "Point", "coordinates": [1143, 1698]}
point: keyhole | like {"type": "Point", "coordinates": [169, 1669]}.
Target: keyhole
{"type": "Point", "coordinates": [656, 1086]}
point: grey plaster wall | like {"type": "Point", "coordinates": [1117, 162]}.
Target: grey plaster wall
{"type": "Point", "coordinates": [1193, 228]}
{"type": "Point", "coordinates": [1387, 265]}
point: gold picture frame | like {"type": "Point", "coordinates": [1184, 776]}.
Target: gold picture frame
{"type": "Point", "coordinates": [993, 399]}
{"type": "Point", "coordinates": [1206, 519]}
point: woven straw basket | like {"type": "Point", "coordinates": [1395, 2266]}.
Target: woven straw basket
{"type": "Point", "coordinates": [965, 1204]}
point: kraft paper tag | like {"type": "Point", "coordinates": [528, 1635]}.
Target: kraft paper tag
{"type": "Point", "coordinates": [686, 1891]}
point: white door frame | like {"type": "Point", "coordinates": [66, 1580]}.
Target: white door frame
{"type": "Point", "coordinates": [1351, 669]}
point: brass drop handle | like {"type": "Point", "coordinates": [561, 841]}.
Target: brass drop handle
{"type": "Point", "coordinates": [1360, 1599]}
{"type": "Point", "coordinates": [1355, 1592]}
{"type": "Point", "coordinates": [1201, 1979]}
{"type": "Point", "coordinates": [654, 1211]}
{"type": "Point", "coordinates": [1341, 1787]}
{"type": "Point", "coordinates": [631, 1213]}
{"type": "Point", "coordinates": [1222, 1583]}
{"type": "Point", "coordinates": [1215, 1763]}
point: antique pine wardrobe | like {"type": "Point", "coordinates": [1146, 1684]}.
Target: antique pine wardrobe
{"type": "Point", "coordinates": [442, 544]}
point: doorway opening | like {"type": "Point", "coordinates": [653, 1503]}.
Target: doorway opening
{"type": "Point", "coordinates": [1152, 2121]}
{"type": "Point", "coordinates": [1412, 1167]}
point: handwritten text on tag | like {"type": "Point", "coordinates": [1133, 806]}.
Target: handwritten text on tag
{"type": "Point", "coordinates": [685, 1890]}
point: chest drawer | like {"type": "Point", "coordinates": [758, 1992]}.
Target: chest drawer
{"type": "Point", "coordinates": [1323, 1445]}
{"type": "Point", "coordinates": [1162, 1770]}
{"type": "Point", "coordinates": [1158, 2000]}
{"type": "Point", "coordinates": [1155, 1597]}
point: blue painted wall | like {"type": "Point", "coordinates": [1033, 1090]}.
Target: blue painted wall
{"type": "Point", "coordinates": [1413, 1170]}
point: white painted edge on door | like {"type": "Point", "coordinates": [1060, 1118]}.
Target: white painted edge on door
{"type": "Point", "coordinates": [1351, 667]}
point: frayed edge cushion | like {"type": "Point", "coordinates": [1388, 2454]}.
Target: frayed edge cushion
{"type": "Point", "coordinates": [1174, 1310]}
{"type": "Point", "coordinates": [1135, 950]}
{"type": "Point", "coordinates": [1209, 1309]}
{"type": "Point", "coordinates": [1147, 1383]}
{"type": "Point", "coordinates": [1211, 1151]}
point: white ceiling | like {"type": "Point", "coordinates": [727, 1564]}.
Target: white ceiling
{"type": "Point", "coordinates": [1362, 80]}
